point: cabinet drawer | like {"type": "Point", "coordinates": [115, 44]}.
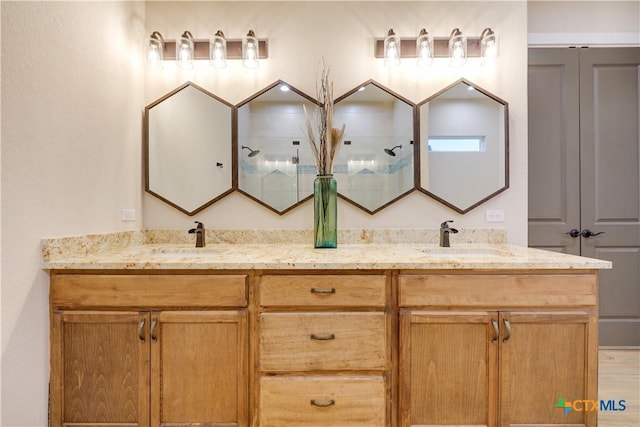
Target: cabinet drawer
{"type": "Point", "coordinates": [322, 341]}
{"type": "Point", "coordinates": [497, 291]}
{"type": "Point", "coordinates": [70, 291]}
{"type": "Point", "coordinates": [323, 290]}
{"type": "Point", "coordinates": [322, 401]}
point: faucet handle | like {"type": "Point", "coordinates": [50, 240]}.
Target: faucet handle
{"type": "Point", "coordinates": [200, 225]}
{"type": "Point", "coordinates": [445, 224]}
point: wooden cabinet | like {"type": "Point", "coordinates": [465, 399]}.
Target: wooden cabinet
{"type": "Point", "coordinates": [314, 348]}
{"type": "Point", "coordinates": [141, 366]}
{"type": "Point", "coordinates": [500, 367]}
{"type": "Point", "coordinates": [324, 351]}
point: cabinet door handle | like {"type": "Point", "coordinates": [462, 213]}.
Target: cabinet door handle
{"type": "Point", "coordinates": [326, 337]}
{"type": "Point", "coordinates": [496, 330]}
{"type": "Point", "coordinates": [323, 291]}
{"type": "Point", "coordinates": [141, 336]}
{"type": "Point", "coordinates": [323, 404]}
{"type": "Point", "coordinates": [507, 325]}
{"type": "Point", "coordinates": [154, 322]}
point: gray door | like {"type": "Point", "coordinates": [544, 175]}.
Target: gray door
{"type": "Point", "coordinates": [584, 170]}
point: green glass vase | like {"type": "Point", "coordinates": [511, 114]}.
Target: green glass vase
{"type": "Point", "coordinates": [325, 211]}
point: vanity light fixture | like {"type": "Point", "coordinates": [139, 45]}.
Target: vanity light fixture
{"type": "Point", "coordinates": [185, 51]}
{"type": "Point", "coordinates": [218, 50]}
{"type": "Point", "coordinates": [457, 48]}
{"type": "Point", "coordinates": [250, 50]}
{"type": "Point", "coordinates": [488, 47]}
{"type": "Point", "coordinates": [392, 50]}
{"type": "Point", "coordinates": [155, 50]}
{"type": "Point", "coordinates": [427, 48]}
{"type": "Point", "coordinates": [424, 49]}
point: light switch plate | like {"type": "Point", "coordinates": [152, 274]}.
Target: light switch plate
{"type": "Point", "coordinates": [494, 215]}
{"type": "Point", "coordinates": [128, 214]}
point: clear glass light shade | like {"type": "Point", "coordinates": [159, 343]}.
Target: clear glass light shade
{"type": "Point", "coordinates": [488, 47]}
{"type": "Point", "coordinates": [218, 50]}
{"type": "Point", "coordinates": [185, 51]}
{"type": "Point", "coordinates": [155, 49]}
{"type": "Point", "coordinates": [250, 50]}
{"type": "Point", "coordinates": [457, 49]}
{"type": "Point", "coordinates": [391, 50]}
{"type": "Point", "coordinates": [424, 49]}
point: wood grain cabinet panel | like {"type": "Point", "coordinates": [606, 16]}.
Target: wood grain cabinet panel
{"type": "Point", "coordinates": [323, 401]}
{"type": "Point", "coordinates": [148, 367]}
{"type": "Point", "coordinates": [503, 367]}
{"type": "Point", "coordinates": [99, 369]}
{"type": "Point", "coordinates": [323, 341]}
{"type": "Point", "coordinates": [323, 290]}
{"type": "Point", "coordinates": [498, 290]}
{"type": "Point", "coordinates": [101, 291]}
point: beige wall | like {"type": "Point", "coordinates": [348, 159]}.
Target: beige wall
{"type": "Point", "coordinates": [72, 96]}
{"type": "Point", "coordinates": [302, 33]}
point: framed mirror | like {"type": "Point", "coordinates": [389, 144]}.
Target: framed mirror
{"type": "Point", "coordinates": [464, 146]}
{"type": "Point", "coordinates": [188, 156]}
{"type": "Point", "coordinates": [375, 165]}
{"type": "Point", "coordinates": [275, 163]}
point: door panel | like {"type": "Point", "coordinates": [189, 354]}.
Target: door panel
{"type": "Point", "coordinates": [99, 363]}
{"type": "Point", "coordinates": [584, 107]}
{"type": "Point", "coordinates": [554, 149]}
{"type": "Point", "coordinates": [448, 374]}
{"type": "Point", "coordinates": [199, 376]}
{"type": "Point", "coordinates": [610, 192]}
{"type": "Point", "coordinates": [544, 357]}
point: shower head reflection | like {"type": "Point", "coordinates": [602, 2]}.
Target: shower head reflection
{"type": "Point", "coordinates": [252, 153]}
{"type": "Point", "coordinates": [391, 151]}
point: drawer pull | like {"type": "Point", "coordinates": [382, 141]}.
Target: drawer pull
{"type": "Point", "coordinates": [323, 404]}
{"type": "Point", "coordinates": [323, 291]}
{"type": "Point", "coordinates": [326, 337]}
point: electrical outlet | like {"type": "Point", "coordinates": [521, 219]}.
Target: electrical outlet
{"type": "Point", "coordinates": [128, 214]}
{"type": "Point", "coordinates": [495, 215]}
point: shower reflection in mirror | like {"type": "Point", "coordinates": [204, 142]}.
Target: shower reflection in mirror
{"type": "Point", "coordinates": [375, 165]}
{"type": "Point", "coordinates": [275, 164]}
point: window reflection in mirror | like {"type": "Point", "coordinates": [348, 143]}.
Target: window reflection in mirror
{"type": "Point", "coordinates": [188, 139]}
{"type": "Point", "coordinates": [275, 164]}
{"type": "Point", "coordinates": [464, 146]}
{"type": "Point", "coordinates": [375, 165]}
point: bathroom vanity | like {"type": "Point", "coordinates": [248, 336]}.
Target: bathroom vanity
{"type": "Point", "coordinates": [287, 335]}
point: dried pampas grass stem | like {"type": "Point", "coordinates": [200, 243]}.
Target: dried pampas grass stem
{"type": "Point", "coordinates": [325, 140]}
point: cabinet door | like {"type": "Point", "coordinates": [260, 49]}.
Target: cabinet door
{"type": "Point", "coordinates": [199, 368]}
{"type": "Point", "coordinates": [99, 369]}
{"type": "Point", "coordinates": [448, 368]}
{"type": "Point", "coordinates": [545, 357]}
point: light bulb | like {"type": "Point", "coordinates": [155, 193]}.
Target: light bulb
{"type": "Point", "coordinates": [250, 50]}
{"type": "Point", "coordinates": [218, 50]}
{"type": "Point", "coordinates": [185, 51]}
{"type": "Point", "coordinates": [424, 49]}
{"type": "Point", "coordinates": [391, 50]}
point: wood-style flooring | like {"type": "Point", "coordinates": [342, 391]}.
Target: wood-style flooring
{"type": "Point", "coordinates": [619, 379]}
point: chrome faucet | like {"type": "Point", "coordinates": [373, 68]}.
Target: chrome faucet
{"type": "Point", "coordinates": [445, 230]}
{"type": "Point", "coordinates": [199, 232]}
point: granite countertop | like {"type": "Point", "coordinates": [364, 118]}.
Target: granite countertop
{"type": "Point", "coordinates": [143, 253]}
